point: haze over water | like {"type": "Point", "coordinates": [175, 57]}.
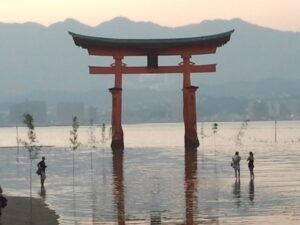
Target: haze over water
{"type": "Point", "coordinates": [156, 181]}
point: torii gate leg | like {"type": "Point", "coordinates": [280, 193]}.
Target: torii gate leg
{"type": "Point", "coordinates": [189, 106]}
{"type": "Point", "coordinates": [117, 141]}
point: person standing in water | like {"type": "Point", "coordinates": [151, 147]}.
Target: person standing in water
{"type": "Point", "coordinates": [236, 165]}
{"type": "Point", "coordinates": [251, 165]}
{"type": "Point", "coordinates": [42, 169]}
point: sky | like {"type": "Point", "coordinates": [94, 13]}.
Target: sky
{"type": "Point", "coordinates": [277, 14]}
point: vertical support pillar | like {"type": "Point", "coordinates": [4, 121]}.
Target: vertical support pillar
{"type": "Point", "coordinates": [190, 117]}
{"type": "Point", "coordinates": [189, 106]}
{"type": "Point", "coordinates": [117, 141]}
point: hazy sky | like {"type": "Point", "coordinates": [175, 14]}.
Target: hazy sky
{"type": "Point", "coordinates": [278, 14]}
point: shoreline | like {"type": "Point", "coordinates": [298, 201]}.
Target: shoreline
{"type": "Point", "coordinates": [17, 212]}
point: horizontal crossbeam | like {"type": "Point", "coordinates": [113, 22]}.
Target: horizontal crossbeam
{"type": "Point", "coordinates": [160, 69]}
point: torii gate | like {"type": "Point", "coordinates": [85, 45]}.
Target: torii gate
{"type": "Point", "coordinates": [152, 48]}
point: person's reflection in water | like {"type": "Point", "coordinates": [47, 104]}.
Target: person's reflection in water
{"type": "Point", "coordinates": [42, 193]}
{"type": "Point", "coordinates": [237, 192]}
{"type": "Point", "coordinates": [251, 190]}
{"type": "Point", "coordinates": [118, 177]}
{"type": "Point", "coordinates": [191, 198]}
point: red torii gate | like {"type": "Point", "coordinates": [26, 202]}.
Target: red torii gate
{"type": "Point", "coordinates": [152, 48]}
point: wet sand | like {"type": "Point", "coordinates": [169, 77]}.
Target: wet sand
{"type": "Point", "coordinates": [17, 212]}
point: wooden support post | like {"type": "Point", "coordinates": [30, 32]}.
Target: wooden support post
{"type": "Point", "coordinates": [189, 106]}
{"type": "Point", "coordinates": [118, 71]}
{"type": "Point", "coordinates": [117, 141]}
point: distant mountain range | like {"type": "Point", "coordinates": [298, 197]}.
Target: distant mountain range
{"type": "Point", "coordinates": [42, 62]}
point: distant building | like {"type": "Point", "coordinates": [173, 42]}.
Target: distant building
{"type": "Point", "coordinates": [273, 110]}
{"type": "Point", "coordinates": [37, 109]}
{"type": "Point", "coordinates": [257, 110]}
{"type": "Point", "coordinates": [3, 117]}
{"type": "Point", "coordinates": [295, 109]}
{"type": "Point", "coordinates": [92, 115]}
{"type": "Point", "coordinates": [290, 110]}
{"type": "Point", "coordinates": [65, 111]}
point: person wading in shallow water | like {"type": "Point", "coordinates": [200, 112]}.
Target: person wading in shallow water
{"type": "Point", "coordinates": [251, 165]}
{"type": "Point", "coordinates": [42, 170]}
{"type": "Point", "coordinates": [236, 165]}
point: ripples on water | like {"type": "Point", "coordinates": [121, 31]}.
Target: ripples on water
{"type": "Point", "coordinates": [156, 181]}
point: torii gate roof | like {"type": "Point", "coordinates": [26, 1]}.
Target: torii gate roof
{"type": "Point", "coordinates": [148, 46]}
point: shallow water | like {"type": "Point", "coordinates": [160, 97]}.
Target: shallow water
{"type": "Point", "coordinates": [156, 181]}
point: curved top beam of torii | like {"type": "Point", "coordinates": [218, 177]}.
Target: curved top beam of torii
{"type": "Point", "coordinates": [137, 47]}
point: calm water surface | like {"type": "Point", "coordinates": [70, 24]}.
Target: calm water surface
{"type": "Point", "coordinates": [156, 181]}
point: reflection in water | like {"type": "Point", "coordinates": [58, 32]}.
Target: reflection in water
{"type": "Point", "coordinates": [191, 198]}
{"type": "Point", "coordinates": [162, 157]}
{"type": "Point", "coordinates": [155, 217]}
{"type": "Point", "coordinates": [118, 177]}
{"type": "Point", "coordinates": [237, 192]}
{"type": "Point", "coordinates": [93, 196]}
{"type": "Point", "coordinates": [251, 190]}
{"type": "Point", "coordinates": [74, 205]}
{"type": "Point", "coordinates": [42, 193]}
{"type": "Point", "coordinates": [188, 204]}
{"type": "Point", "coordinates": [155, 205]}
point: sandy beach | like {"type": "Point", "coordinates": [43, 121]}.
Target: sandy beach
{"type": "Point", "coordinates": [18, 210]}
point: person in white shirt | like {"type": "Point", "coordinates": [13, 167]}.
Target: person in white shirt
{"type": "Point", "coordinates": [236, 165]}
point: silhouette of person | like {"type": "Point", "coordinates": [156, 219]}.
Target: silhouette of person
{"type": "Point", "coordinates": [3, 201]}
{"type": "Point", "coordinates": [42, 168]}
{"type": "Point", "coordinates": [236, 165]}
{"type": "Point", "coordinates": [251, 165]}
